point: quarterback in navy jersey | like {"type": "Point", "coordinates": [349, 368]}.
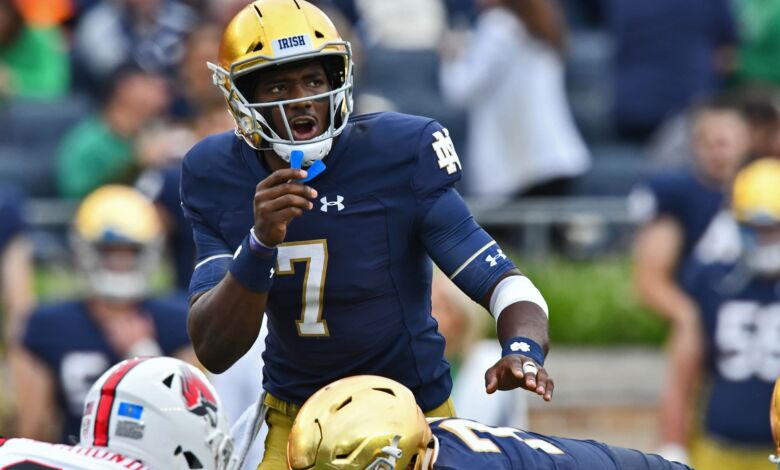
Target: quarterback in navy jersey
{"type": "Point", "coordinates": [328, 223]}
{"type": "Point", "coordinates": [67, 345]}
{"type": "Point", "coordinates": [373, 423]}
{"type": "Point", "coordinates": [739, 303]}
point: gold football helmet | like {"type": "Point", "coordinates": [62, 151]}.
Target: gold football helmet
{"type": "Point", "coordinates": [774, 420]}
{"type": "Point", "coordinates": [274, 32]}
{"type": "Point", "coordinates": [755, 203]}
{"type": "Point", "coordinates": [117, 239]}
{"type": "Point", "coordinates": [357, 423]}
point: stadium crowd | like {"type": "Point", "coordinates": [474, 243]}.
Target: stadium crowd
{"type": "Point", "coordinates": [661, 103]}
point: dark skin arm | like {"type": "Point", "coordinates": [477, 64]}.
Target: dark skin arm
{"type": "Point", "coordinates": [224, 322]}
{"type": "Point", "coordinates": [519, 319]}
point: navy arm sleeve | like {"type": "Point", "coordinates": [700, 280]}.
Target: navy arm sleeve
{"type": "Point", "coordinates": [457, 244]}
{"type": "Point", "coordinates": [213, 255]}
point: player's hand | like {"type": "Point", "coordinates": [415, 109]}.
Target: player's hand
{"type": "Point", "coordinates": [507, 374]}
{"type": "Point", "coordinates": [278, 200]}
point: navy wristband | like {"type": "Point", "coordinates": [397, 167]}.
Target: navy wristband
{"type": "Point", "coordinates": [253, 270]}
{"type": "Point", "coordinates": [525, 346]}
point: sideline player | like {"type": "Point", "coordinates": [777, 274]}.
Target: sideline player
{"type": "Point", "coordinates": [116, 238]}
{"type": "Point", "coordinates": [371, 422]}
{"type": "Point", "coordinates": [338, 253]}
{"type": "Point", "coordinates": [141, 414]}
{"type": "Point", "coordinates": [739, 300]}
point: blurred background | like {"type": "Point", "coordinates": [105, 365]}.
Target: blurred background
{"type": "Point", "coordinates": [575, 122]}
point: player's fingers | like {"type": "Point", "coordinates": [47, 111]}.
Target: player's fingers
{"type": "Point", "coordinates": [541, 381]}
{"type": "Point", "coordinates": [491, 380]}
{"type": "Point", "coordinates": [548, 390]}
{"type": "Point", "coordinates": [284, 216]}
{"type": "Point", "coordinates": [283, 202]}
{"type": "Point", "coordinates": [281, 176]}
{"type": "Point", "coordinates": [529, 371]}
{"type": "Point", "coordinates": [268, 194]}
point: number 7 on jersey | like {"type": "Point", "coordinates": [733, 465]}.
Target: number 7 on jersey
{"type": "Point", "coordinates": [315, 254]}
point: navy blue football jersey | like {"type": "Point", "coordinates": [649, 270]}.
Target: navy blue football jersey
{"type": "Point", "coordinates": [466, 445]}
{"type": "Point", "coordinates": [685, 197]}
{"type": "Point", "coordinates": [742, 323]}
{"type": "Point", "coordinates": [66, 338]}
{"type": "Point", "coordinates": [351, 291]}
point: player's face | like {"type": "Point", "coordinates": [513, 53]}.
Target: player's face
{"type": "Point", "coordinates": [722, 141]}
{"type": "Point", "coordinates": [308, 118]}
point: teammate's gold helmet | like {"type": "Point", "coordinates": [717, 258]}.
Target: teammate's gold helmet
{"type": "Point", "coordinates": [774, 420]}
{"type": "Point", "coordinates": [274, 32]}
{"type": "Point", "coordinates": [357, 423]}
{"type": "Point", "coordinates": [116, 217]}
{"type": "Point", "coordinates": [755, 203]}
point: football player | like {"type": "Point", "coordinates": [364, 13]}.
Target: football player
{"type": "Point", "coordinates": [328, 223]}
{"type": "Point", "coordinates": [142, 414]}
{"type": "Point", "coordinates": [116, 239]}
{"type": "Point", "coordinates": [370, 422]}
{"type": "Point", "coordinates": [739, 303]}
{"type": "Point", "coordinates": [679, 214]}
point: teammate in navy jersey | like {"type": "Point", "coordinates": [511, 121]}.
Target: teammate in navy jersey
{"type": "Point", "coordinates": [67, 345]}
{"type": "Point", "coordinates": [739, 304]}
{"type": "Point", "coordinates": [678, 212]}
{"type": "Point", "coordinates": [373, 423]}
{"type": "Point", "coordinates": [328, 223]}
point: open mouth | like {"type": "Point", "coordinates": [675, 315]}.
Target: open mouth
{"type": "Point", "coordinates": [304, 128]}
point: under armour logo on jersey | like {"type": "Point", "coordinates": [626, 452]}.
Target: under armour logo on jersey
{"type": "Point", "coordinates": [338, 203]}
{"type": "Point", "coordinates": [445, 152]}
{"type": "Point", "coordinates": [493, 260]}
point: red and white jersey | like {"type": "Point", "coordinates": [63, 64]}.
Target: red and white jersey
{"type": "Point", "coordinates": [30, 454]}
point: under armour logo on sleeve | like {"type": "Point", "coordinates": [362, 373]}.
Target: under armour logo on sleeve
{"type": "Point", "coordinates": [493, 260]}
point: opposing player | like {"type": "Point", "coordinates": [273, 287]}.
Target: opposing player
{"type": "Point", "coordinates": [328, 223]}
{"type": "Point", "coordinates": [370, 422]}
{"type": "Point", "coordinates": [66, 345]}
{"type": "Point", "coordinates": [142, 414]}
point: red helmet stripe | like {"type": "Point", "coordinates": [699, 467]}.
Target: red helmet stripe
{"type": "Point", "coordinates": [106, 402]}
{"type": "Point", "coordinates": [2, 440]}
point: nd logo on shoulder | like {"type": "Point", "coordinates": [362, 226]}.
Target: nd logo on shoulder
{"type": "Point", "coordinates": [445, 152]}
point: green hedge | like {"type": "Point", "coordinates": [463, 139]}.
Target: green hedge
{"type": "Point", "coordinates": [592, 302]}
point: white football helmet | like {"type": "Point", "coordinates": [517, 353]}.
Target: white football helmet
{"type": "Point", "coordinates": [161, 411]}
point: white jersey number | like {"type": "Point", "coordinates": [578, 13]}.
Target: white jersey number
{"type": "Point", "coordinates": [315, 254]}
{"type": "Point", "coordinates": [464, 429]}
{"type": "Point", "coordinates": [747, 339]}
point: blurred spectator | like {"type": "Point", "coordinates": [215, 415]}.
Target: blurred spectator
{"type": "Point", "coordinates": [672, 146]}
{"type": "Point", "coordinates": [738, 299]}
{"type": "Point", "coordinates": [46, 12]}
{"type": "Point", "coordinates": [676, 212]}
{"type": "Point", "coordinates": [33, 58]}
{"type": "Point", "coordinates": [667, 53]}
{"type": "Point", "coordinates": [204, 113]}
{"type": "Point", "coordinates": [147, 32]}
{"type": "Point", "coordinates": [759, 45]}
{"type": "Point", "coordinates": [522, 140]}
{"type": "Point", "coordinates": [402, 24]}
{"type": "Point", "coordinates": [116, 241]}
{"type": "Point", "coordinates": [99, 149]}
{"type": "Point", "coordinates": [469, 355]}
